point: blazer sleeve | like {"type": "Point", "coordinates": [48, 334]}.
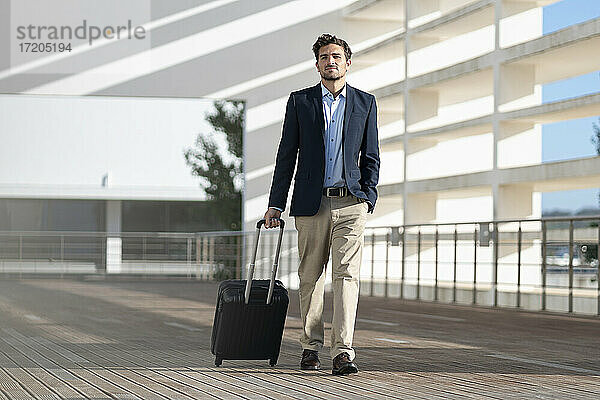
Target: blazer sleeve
{"type": "Point", "coordinates": [286, 157]}
{"type": "Point", "coordinates": [369, 157]}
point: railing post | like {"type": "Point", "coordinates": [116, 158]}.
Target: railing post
{"type": "Point", "coordinates": [570, 266]}
{"type": "Point", "coordinates": [104, 260]}
{"type": "Point", "coordinates": [387, 262]}
{"type": "Point", "coordinates": [372, 263]}
{"type": "Point", "coordinates": [475, 264]}
{"type": "Point", "coordinates": [496, 250]}
{"type": "Point", "coordinates": [403, 238]}
{"type": "Point", "coordinates": [62, 255]}
{"type": "Point", "coordinates": [598, 269]}
{"type": "Point", "coordinates": [289, 257]}
{"type": "Point", "coordinates": [455, 264]}
{"type": "Point", "coordinates": [213, 245]}
{"type": "Point", "coordinates": [519, 238]}
{"type": "Point", "coordinates": [238, 256]}
{"type": "Point", "coordinates": [232, 252]}
{"type": "Point", "coordinates": [436, 288]}
{"type": "Point", "coordinates": [544, 269]}
{"type": "Point", "coordinates": [188, 254]}
{"type": "Point", "coordinates": [144, 244]}
{"type": "Point", "coordinates": [206, 255]}
{"type": "Point", "coordinates": [419, 263]}
{"type": "Point", "coordinates": [203, 258]}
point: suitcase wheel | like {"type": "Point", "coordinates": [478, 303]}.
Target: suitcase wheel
{"type": "Point", "coordinates": [272, 362]}
{"type": "Point", "coordinates": [218, 361]}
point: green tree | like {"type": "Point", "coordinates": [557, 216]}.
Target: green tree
{"type": "Point", "coordinates": [220, 167]}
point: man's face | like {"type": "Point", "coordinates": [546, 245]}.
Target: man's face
{"type": "Point", "coordinates": [332, 64]}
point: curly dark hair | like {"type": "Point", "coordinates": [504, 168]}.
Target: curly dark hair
{"type": "Point", "coordinates": [326, 39]}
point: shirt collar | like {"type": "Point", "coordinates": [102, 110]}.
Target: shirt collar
{"type": "Point", "coordinates": [325, 91]}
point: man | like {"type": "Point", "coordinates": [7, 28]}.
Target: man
{"type": "Point", "coordinates": [332, 129]}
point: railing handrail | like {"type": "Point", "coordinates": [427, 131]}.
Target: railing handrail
{"type": "Point", "coordinates": [236, 233]}
{"type": "Point", "coordinates": [496, 221]}
{"type": "Point", "coordinates": [105, 234]}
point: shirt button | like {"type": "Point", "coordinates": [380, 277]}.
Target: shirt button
{"type": "Point", "coordinates": [330, 159]}
{"type": "Point", "coordinates": [332, 140]}
{"type": "Point", "coordinates": [333, 120]}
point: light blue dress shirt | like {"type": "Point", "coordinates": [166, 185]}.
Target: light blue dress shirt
{"type": "Point", "coordinates": [333, 114]}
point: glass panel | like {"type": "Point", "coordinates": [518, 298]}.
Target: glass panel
{"type": "Point", "coordinates": [52, 215]}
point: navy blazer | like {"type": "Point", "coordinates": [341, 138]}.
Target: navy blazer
{"type": "Point", "coordinates": [302, 137]}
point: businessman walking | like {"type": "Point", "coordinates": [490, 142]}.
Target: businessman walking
{"type": "Point", "coordinates": [331, 128]}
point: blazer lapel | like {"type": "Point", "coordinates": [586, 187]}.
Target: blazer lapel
{"type": "Point", "coordinates": [349, 105]}
{"type": "Point", "coordinates": [318, 104]}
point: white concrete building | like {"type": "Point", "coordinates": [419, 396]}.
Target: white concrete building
{"type": "Point", "coordinates": [460, 108]}
{"type": "Point", "coordinates": [458, 84]}
{"type": "Point", "coordinates": [100, 163]}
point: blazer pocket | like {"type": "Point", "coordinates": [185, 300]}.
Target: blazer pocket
{"type": "Point", "coordinates": [355, 174]}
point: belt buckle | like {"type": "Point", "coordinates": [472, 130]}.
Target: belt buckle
{"type": "Point", "coordinates": [340, 192]}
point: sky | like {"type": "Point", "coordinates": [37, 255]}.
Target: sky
{"type": "Point", "coordinates": [570, 139]}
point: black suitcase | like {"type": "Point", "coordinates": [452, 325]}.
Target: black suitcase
{"type": "Point", "coordinates": [250, 314]}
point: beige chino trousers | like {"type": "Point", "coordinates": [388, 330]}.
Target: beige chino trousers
{"type": "Point", "coordinates": [338, 226]}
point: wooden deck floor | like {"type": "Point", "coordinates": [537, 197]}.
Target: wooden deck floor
{"type": "Point", "coordinates": [73, 339]}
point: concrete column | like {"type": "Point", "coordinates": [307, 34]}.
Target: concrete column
{"type": "Point", "coordinates": [498, 11]}
{"type": "Point", "coordinates": [405, 100]}
{"type": "Point", "coordinates": [517, 87]}
{"type": "Point", "coordinates": [113, 240]}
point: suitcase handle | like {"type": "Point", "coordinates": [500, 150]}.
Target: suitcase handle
{"type": "Point", "coordinates": [263, 221]}
{"type": "Point", "coordinates": [259, 224]}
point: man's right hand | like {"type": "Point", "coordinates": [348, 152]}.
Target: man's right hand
{"type": "Point", "coordinates": [270, 218]}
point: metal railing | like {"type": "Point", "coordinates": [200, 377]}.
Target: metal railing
{"type": "Point", "coordinates": [535, 264]}
{"type": "Point", "coordinates": [543, 264]}
{"type": "Point", "coordinates": [201, 256]}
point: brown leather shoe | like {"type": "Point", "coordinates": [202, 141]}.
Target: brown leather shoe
{"type": "Point", "coordinates": [310, 360]}
{"type": "Point", "coordinates": [343, 366]}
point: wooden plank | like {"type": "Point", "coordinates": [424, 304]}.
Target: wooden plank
{"type": "Point", "coordinates": [160, 375]}
{"type": "Point", "coordinates": [59, 378]}
{"type": "Point", "coordinates": [151, 340]}
{"type": "Point", "coordinates": [11, 387]}
{"type": "Point", "coordinates": [27, 373]}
